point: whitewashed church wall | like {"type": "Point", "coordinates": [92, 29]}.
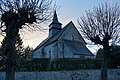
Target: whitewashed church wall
{"type": "Point", "coordinates": [67, 52]}
{"type": "Point", "coordinates": [47, 51]}
{"type": "Point", "coordinates": [36, 54]}
{"type": "Point", "coordinates": [39, 54]}
{"type": "Point", "coordinates": [50, 51]}
{"type": "Point", "coordinates": [71, 34]}
{"type": "Point", "coordinates": [60, 49]}
{"type": "Point", "coordinates": [55, 50]}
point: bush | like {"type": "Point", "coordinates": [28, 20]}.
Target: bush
{"type": "Point", "coordinates": [75, 64]}
{"type": "Point", "coordinates": [46, 64]}
{"type": "Point", "coordinates": [2, 66]}
{"type": "Point", "coordinates": [34, 65]}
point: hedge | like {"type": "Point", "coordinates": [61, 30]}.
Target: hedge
{"type": "Point", "coordinates": [75, 64]}
{"type": "Point", "coordinates": [47, 64]}
{"type": "Point", "coordinates": [34, 65]}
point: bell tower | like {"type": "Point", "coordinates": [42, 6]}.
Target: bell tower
{"type": "Point", "coordinates": [55, 26]}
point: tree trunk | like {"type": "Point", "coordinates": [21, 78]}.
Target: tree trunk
{"type": "Point", "coordinates": [10, 50]}
{"type": "Point", "coordinates": [10, 74]}
{"type": "Point", "coordinates": [105, 54]}
{"type": "Point", "coordinates": [104, 68]}
{"type": "Point", "coordinates": [10, 61]}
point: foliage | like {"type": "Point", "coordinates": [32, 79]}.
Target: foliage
{"type": "Point", "coordinates": [34, 65]}
{"type": "Point", "coordinates": [21, 52]}
{"type": "Point", "coordinates": [114, 57]}
{"type": "Point", "coordinates": [45, 64]}
{"type": "Point", "coordinates": [75, 64]}
{"type": "Point", "coordinates": [99, 53]}
{"type": "Point", "coordinates": [115, 52]}
{"type": "Point", "coordinates": [27, 53]}
{"type": "Point", "coordinates": [1, 54]}
{"type": "Point", "coordinates": [18, 46]}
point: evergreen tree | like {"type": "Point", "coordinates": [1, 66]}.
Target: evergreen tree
{"type": "Point", "coordinates": [114, 56]}
{"type": "Point", "coordinates": [18, 47]}
{"type": "Point", "coordinates": [99, 53]}
{"type": "Point", "coordinates": [1, 54]}
{"type": "Point", "coordinates": [27, 54]}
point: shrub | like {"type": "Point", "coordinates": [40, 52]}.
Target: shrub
{"type": "Point", "coordinates": [46, 64]}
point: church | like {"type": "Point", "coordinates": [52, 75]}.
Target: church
{"type": "Point", "coordinates": [64, 42]}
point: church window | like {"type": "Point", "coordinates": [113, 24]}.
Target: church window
{"type": "Point", "coordinates": [50, 53]}
{"type": "Point", "coordinates": [73, 38]}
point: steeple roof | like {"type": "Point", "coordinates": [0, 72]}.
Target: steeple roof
{"type": "Point", "coordinates": [55, 18]}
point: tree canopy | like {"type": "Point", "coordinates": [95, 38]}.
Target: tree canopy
{"type": "Point", "coordinates": [102, 26]}
{"type": "Point", "coordinates": [102, 23]}
{"type": "Point", "coordinates": [25, 12]}
{"type": "Point", "coordinates": [18, 14]}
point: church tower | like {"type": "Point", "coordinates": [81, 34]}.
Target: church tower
{"type": "Point", "coordinates": [55, 26]}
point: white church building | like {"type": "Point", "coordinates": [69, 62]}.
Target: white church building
{"type": "Point", "coordinates": [64, 42]}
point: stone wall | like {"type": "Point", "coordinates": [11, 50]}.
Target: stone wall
{"type": "Point", "coordinates": [113, 74]}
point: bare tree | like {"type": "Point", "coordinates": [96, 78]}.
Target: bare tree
{"type": "Point", "coordinates": [102, 26]}
{"type": "Point", "coordinates": [18, 14]}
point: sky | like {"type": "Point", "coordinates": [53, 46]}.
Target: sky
{"type": "Point", "coordinates": [69, 10]}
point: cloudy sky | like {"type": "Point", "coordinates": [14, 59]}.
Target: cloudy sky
{"type": "Point", "coordinates": [69, 10]}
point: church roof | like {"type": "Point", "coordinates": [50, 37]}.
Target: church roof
{"type": "Point", "coordinates": [55, 19]}
{"type": "Point", "coordinates": [52, 39]}
{"type": "Point", "coordinates": [78, 48]}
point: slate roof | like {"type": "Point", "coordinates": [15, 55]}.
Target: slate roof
{"type": "Point", "coordinates": [55, 19]}
{"type": "Point", "coordinates": [54, 38]}
{"type": "Point", "coordinates": [50, 39]}
{"type": "Point", "coordinates": [78, 48]}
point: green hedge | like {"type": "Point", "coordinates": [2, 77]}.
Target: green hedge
{"type": "Point", "coordinates": [114, 63]}
{"type": "Point", "coordinates": [34, 65]}
{"type": "Point", "coordinates": [75, 64]}
{"type": "Point", "coordinates": [46, 64]}
{"type": "Point", "coordinates": [2, 66]}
